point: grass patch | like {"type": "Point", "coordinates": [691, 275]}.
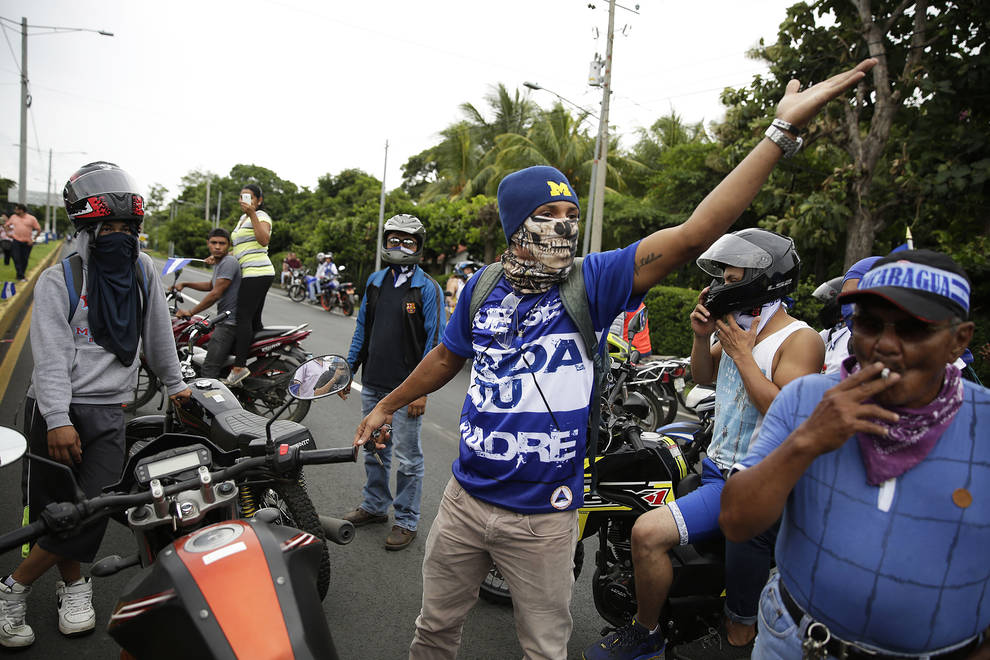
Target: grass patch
{"type": "Point", "coordinates": [39, 253]}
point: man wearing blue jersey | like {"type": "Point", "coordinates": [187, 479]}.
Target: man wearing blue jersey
{"type": "Point", "coordinates": [518, 480]}
{"type": "Point", "coordinates": [882, 474]}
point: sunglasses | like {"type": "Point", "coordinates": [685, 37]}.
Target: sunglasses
{"type": "Point", "coordinates": [408, 243]}
{"type": "Point", "coordinates": [907, 329]}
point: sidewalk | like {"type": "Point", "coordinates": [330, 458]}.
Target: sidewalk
{"type": "Point", "coordinates": [11, 308]}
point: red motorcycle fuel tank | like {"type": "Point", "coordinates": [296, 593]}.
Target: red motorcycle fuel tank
{"type": "Point", "coordinates": [236, 589]}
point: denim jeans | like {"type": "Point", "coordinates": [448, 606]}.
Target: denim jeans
{"type": "Point", "coordinates": [408, 449]}
{"type": "Point", "coordinates": [747, 566]}
{"type": "Point", "coordinates": [777, 636]}
{"type": "Point", "coordinates": [219, 349]}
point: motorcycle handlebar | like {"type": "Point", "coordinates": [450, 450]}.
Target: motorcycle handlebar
{"type": "Point", "coordinates": [25, 534]}
{"type": "Point", "coordinates": [64, 517]}
{"type": "Point", "coordinates": [634, 436]}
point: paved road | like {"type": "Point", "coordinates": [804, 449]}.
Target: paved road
{"type": "Point", "coordinates": [375, 594]}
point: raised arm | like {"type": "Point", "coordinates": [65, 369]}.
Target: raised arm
{"type": "Point", "coordinates": [667, 249]}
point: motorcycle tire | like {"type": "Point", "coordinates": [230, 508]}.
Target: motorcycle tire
{"type": "Point", "coordinates": [147, 388]}
{"type": "Point", "coordinates": [662, 404]}
{"type": "Point", "coordinates": [297, 292]}
{"type": "Point", "coordinates": [290, 497]}
{"type": "Point", "coordinates": [266, 407]}
{"type": "Point", "coordinates": [346, 306]}
{"type": "Point", "coordinates": [326, 301]}
{"type": "Point", "coordinates": [495, 589]}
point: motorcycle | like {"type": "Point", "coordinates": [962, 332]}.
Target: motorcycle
{"type": "Point", "coordinates": [275, 354]}
{"type": "Point", "coordinates": [214, 413]}
{"type": "Point", "coordinates": [659, 381]}
{"type": "Point", "coordinates": [210, 584]}
{"type": "Point", "coordinates": [639, 471]}
{"type": "Point", "coordinates": [342, 295]}
{"type": "Point", "coordinates": [296, 290]}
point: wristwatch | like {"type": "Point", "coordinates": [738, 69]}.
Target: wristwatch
{"type": "Point", "coordinates": [787, 144]}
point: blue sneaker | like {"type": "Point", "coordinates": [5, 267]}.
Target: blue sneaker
{"type": "Point", "coordinates": [633, 641]}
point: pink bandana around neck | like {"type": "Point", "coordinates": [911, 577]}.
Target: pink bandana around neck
{"type": "Point", "coordinates": [912, 438]}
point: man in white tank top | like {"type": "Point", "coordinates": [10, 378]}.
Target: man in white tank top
{"type": "Point", "coordinates": [757, 349]}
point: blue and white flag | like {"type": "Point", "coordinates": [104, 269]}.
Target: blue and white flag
{"type": "Point", "coordinates": [8, 291]}
{"type": "Point", "coordinates": [175, 263]}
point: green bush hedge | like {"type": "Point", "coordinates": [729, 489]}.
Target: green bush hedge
{"type": "Point", "coordinates": [669, 309]}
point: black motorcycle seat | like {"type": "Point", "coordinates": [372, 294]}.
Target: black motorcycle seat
{"type": "Point", "coordinates": [236, 428]}
{"type": "Point", "coordinates": [272, 331]}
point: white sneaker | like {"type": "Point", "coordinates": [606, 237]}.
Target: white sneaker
{"type": "Point", "coordinates": [76, 615]}
{"type": "Point", "coordinates": [14, 632]}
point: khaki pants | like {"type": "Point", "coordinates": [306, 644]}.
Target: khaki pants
{"type": "Point", "coordinates": [533, 552]}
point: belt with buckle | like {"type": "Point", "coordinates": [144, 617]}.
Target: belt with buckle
{"type": "Point", "coordinates": [842, 649]}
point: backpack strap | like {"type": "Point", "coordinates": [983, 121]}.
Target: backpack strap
{"type": "Point", "coordinates": [73, 272]}
{"type": "Point", "coordinates": [574, 297]}
{"type": "Point", "coordinates": [487, 280]}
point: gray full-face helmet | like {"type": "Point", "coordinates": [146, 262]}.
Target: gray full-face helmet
{"type": "Point", "coordinates": [402, 255]}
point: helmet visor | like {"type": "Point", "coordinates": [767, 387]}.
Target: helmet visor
{"type": "Point", "coordinates": [731, 250]}
{"type": "Point", "coordinates": [98, 182]}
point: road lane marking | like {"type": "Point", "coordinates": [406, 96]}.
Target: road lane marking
{"type": "Point", "coordinates": [14, 352]}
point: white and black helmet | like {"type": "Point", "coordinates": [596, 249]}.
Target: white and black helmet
{"type": "Point", "coordinates": [770, 263]}
{"type": "Point", "coordinates": [407, 224]}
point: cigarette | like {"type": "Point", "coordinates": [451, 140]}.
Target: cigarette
{"type": "Point", "coordinates": [885, 374]}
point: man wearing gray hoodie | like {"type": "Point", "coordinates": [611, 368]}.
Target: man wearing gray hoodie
{"type": "Point", "coordinates": [92, 315]}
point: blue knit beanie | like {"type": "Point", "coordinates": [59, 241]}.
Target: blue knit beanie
{"type": "Point", "coordinates": [522, 192]}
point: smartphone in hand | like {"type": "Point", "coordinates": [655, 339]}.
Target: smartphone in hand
{"type": "Point", "coordinates": [246, 198]}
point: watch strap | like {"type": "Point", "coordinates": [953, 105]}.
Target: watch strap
{"type": "Point", "coordinates": [785, 125]}
{"type": "Point", "coordinates": [787, 144]}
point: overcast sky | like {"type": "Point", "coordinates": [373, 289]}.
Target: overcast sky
{"type": "Point", "coordinates": [307, 87]}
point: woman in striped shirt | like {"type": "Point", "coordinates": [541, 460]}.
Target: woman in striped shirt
{"type": "Point", "coordinates": [250, 246]}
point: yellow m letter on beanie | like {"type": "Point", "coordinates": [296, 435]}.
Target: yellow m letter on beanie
{"type": "Point", "coordinates": [559, 189]}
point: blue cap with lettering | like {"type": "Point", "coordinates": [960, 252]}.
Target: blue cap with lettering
{"type": "Point", "coordinates": [928, 285]}
{"type": "Point", "coordinates": [522, 192]}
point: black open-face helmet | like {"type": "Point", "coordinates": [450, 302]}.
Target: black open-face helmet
{"type": "Point", "coordinates": [99, 192]}
{"type": "Point", "coordinates": [770, 263]}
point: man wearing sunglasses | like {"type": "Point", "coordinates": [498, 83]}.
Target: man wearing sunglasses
{"type": "Point", "coordinates": [519, 478]}
{"type": "Point", "coordinates": [401, 319]}
{"type": "Point", "coordinates": [882, 474]}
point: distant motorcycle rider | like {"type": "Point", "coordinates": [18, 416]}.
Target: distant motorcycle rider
{"type": "Point", "coordinates": [85, 351]}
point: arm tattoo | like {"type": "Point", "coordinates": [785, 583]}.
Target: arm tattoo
{"type": "Point", "coordinates": [650, 258]}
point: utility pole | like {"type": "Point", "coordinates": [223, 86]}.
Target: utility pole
{"type": "Point", "coordinates": [381, 214]}
{"type": "Point", "coordinates": [206, 204]}
{"type": "Point", "coordinates": [26, 98]}
{"type": "Point", "coordinates": [48, 196]}
{"type": "Point", "coordinates": [216, 222]}
{"type": "Point", "coordinates": [601, 159]}
{"type": "Point", "coordinates": [22, 173]}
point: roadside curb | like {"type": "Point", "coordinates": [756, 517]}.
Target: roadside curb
{"type": "Point", "coordinates": [12, 311]}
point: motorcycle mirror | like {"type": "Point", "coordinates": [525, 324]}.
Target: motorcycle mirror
{"type": "Point", "coordinates": [341, 269]}
{"type": "Point", "coordinates": [12, 446]}
{"type": "Point", "coordinates": [320, 377]}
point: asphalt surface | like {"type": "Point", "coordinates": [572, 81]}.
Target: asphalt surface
{"type": "Point", "coordinates": [374, 594]}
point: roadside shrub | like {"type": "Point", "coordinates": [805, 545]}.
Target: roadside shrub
{"type": "Point", "coordinates": [669, 309]}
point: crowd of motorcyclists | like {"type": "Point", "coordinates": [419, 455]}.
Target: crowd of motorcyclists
{"type": "Point", "coordinates": [824, 443]}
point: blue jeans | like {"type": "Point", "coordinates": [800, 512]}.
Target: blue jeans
{"type": "Point", "coordinates": [409, 475]}
{"type": "Point", "coordinates": [777, 636]}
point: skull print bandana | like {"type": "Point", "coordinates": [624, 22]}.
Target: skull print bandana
{"type": "Point", "coordinates": [550, 245]}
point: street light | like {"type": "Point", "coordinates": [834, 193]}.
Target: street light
{"type": "Point", "coordinates": [589, 210]}
{"type": "Point", "coordinates": [26, 98]}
